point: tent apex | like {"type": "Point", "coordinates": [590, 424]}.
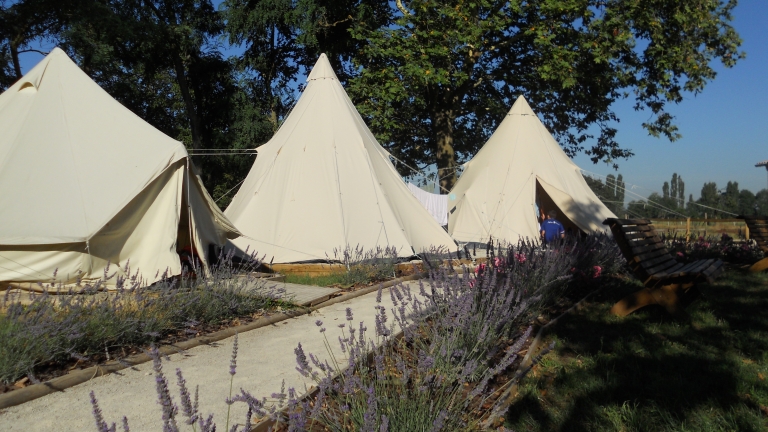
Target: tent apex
{"type": "Point", "coordinates": [58, 51]}
{"type": "Point", "coordinates": [322, 69]}
{"type": "Point", "coordinates": [521, 107]}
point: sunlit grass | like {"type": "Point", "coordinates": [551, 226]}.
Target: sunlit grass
{"type": "Point", "coordinates": [316, 280]}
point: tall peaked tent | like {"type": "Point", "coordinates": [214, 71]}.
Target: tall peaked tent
{"type": "Point", "coordinates": [521, 163]}
{"type": "Point", "coordinates": [323, 182]}
{"type": "Point", "coordinates": [85, 182]}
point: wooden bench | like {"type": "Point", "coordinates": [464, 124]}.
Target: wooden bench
{"type": "Point", "coordinates": [758, 231]}
{"type": "Point", "coordinates": [666, 281]}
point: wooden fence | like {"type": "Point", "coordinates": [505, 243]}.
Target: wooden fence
{"type": "Point", "coordinates": [735, 228]}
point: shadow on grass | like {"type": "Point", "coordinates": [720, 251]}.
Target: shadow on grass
{"type": "Point", "coordinates": [649, 371]}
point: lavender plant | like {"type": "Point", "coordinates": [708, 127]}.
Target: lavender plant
{"type": "Point", "coordinates": [435, 344]}
{"type": "Point", "coordinates": [84, 321]}
{"type": "Point", "coordinates": [366, 266]}
{"type": "Point", "coordinates": [433, 358]}
{"type": "Point", "coordinates": [169, 408]}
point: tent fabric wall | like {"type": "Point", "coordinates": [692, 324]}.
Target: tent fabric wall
{"type": "Point", "coordinates": [323, 182]}
{"type": "Point", "coordinates": [85, 182]}
{"type": "Point", "coordinates": [120, 241]}
{"type": "Point", "coordinates": [496, 194]}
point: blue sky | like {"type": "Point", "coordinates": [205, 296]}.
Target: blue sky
{"type": "Point", "coordinates": [725, 128]}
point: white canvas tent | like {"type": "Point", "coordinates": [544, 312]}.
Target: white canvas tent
{"type": "Point", "coordinates": [521, 163]}
{"type": "Point", "coordinates": [84, 182]}
{"type": "Point", "coordinates": [323, 182]}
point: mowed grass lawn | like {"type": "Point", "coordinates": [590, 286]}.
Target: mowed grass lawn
{"type": "Point", "coordinates": [650, 372]}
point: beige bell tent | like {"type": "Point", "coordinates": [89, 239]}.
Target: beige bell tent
{"type": "Point", "coordinates": [323, 182]}
{"type": "Point", "coordinates": [84, 182]}
{"type": "Point", "coordinates": [519, 167]}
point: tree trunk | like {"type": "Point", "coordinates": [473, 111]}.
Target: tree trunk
{"type": "Point", "coordinates": [15, 58]}
{"type": "Point", "coordinates": [446, 157]}
{"type": "Point", "coordinates": [194, 119]}
{"type": "Point", "coordinates": [269, 78]}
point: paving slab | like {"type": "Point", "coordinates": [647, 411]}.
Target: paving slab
{"type": "Point", "coordinates": [305, 295]}
{"type": "Point", "coordinates": [265, 360]}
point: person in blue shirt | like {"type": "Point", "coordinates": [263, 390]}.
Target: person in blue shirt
{"type": "Point", "coordinates": [551, 228]}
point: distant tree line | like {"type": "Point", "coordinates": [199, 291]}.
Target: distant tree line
{"type": "Point", "coordinates": [713, 202]}
{"type": "Point", "coordinates": [432, 79]}
{"type": "Point", "coordinates": [611, 193]}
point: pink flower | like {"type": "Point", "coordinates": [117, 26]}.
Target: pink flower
{"type": "Point", "coordinates": [680, 254]}
{"type": "Point", "coordinates": [597, 271]}
{"type": "Point", "coordinates": [480, 268]}
{"type": "Point", "coordinates": [520, 257]}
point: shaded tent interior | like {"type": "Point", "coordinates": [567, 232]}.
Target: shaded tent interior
{"type": "Point", "coordinates": [546, 203]}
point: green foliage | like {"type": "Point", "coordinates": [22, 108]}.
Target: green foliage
{"type": "Point", "coordinates": [713, 203]}
{"type": "Point", "coordinates": [732, 200]}
{"type": "Point", "coordinates": [270, 31]}
{"type": "Point", "coordinates": [761, 202]}
{"type": "Point", "coordinates": [162, 60]}
{"type": "Point", "coordinates": [440, 76]}
{"type": "Point", "coordinates": [433, 79]}
{"type": "Point", "coordinates": [21, 24]}
{"type": "Point", "coordinates": [611, 193]}
{"type": "Point", "coordinates": [320, 280]}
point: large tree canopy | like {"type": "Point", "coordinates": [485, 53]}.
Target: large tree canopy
{"type": "Point", "coordinates": [280, 36]}
{"type": "Point", "coordinates": [439, 76]}
{"type": "Point", "coordinates": [433, 78]}
{"type": "Point", "coordinates": [22, 24]}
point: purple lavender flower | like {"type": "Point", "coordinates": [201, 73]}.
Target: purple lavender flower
{"type": "Point", "coordinates": [349, 314]}
{"type": "Point", "coordinates": [206, 425]}
{"type": "Point", "coordinates": [164, 395]}
{"type": "Point", "coordinates": [187, 407]}
{"type": "Point", "coordinates": [101, 425]}
{"type": "Point", "coordinates": [233, 360]}
{"type": "Point", "coordinates": [426, 362]}
{"type": "Point", "coordinates": [369, 417]}
{"type": "Point", "coordinates": [439, 422]}
{"type": "Point", "coordinates": [301, 359]}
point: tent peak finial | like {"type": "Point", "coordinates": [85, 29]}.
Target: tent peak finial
{"type": "Point", "coordinates": [321, 70]}
{"type": "Point", "coordinates": [521, 107]}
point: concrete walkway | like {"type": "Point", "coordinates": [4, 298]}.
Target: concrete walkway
{"type": "Point", "coordinates": [264, 360]}
{"type": "Point", "coordinates": [305, 295]}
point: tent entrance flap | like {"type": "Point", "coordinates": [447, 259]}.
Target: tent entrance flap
{"type": "Point", "coordinates": [550, 197]}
